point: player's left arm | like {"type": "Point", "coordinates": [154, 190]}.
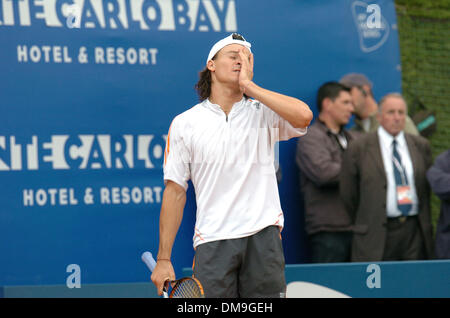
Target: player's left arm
{"type": "Point", "coordinates": [296, 112]}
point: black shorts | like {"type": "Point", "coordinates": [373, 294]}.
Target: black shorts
{"type": "Point", "coordinates": [249, 267]}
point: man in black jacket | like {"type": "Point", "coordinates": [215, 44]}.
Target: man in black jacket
{"type": "Point", "coordinates": [439, 178]}
{"type": "Point", "coordinates": [319, 159]}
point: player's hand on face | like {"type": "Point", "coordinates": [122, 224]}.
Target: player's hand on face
{"type": "Point", "coordinates": [246, 73]}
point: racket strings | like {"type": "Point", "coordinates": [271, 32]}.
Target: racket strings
{"type": "Point", "coordinates": [187, 288]}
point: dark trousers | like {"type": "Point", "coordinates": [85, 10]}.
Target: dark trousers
{"type": "Point", "coordinates": [404, 240]}
{"type": "Point", "coordinates": [248, 267]}
{"type": "Point", "coordinates": [330, 247]}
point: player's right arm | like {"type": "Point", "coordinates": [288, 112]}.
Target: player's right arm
{"type": "Point", "coordinates": [172, 207]}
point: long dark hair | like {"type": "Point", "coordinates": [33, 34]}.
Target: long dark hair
{"type": "Point", "coordinates": [203, 86]}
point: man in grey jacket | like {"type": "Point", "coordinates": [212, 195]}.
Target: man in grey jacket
{"type": "Point", "coordinates": [318, 156]}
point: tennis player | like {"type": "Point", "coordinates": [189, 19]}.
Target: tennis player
{"type": "Point", "coordinates": [225, 146]}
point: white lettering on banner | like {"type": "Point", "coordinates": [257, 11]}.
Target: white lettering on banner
{"type": "Point", "coordinates": [373, 29]}
{"type": "Point", "coordinates": [125, 195]}
{"type": "Point", "coordinates": [74, 279]}
{"type": "Point", "coordinates": [83, 152]}
{"type": "Point", "coordinates": [109, 55]}
{"type": "Point", "coordinates": [104, 195]}
{"type": "Point", "coordinates": [374, 279]}
{"type": "Point", "coordinates": [43, 197]}
{"type": "Point", "coordinates": [46, 53]}
{"type": "Point", "coordinates": [374, 20]}
{"type": "Point", "coordinates": [163, 15]}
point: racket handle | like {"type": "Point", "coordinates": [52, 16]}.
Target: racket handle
{"type": "Point", "coordinates": [148, 259]}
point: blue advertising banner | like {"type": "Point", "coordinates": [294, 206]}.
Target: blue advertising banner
{"type": "Point", "coordinates": [88, 89]}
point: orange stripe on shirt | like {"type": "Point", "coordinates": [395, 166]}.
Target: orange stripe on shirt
{"type": "Point", "coordinates": [167, 150]}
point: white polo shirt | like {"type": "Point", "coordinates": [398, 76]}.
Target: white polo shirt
{"type": "Point", "coordinates": [230, 161]}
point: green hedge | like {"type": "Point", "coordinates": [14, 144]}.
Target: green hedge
{"type": "Point", "coordinates": [424, 33]}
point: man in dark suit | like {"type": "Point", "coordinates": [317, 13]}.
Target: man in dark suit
{"type": "Point", "coordinates": [385, 191]}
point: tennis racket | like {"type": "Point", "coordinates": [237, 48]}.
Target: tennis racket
{"type": "Point", "coordinates": [186, 287]}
